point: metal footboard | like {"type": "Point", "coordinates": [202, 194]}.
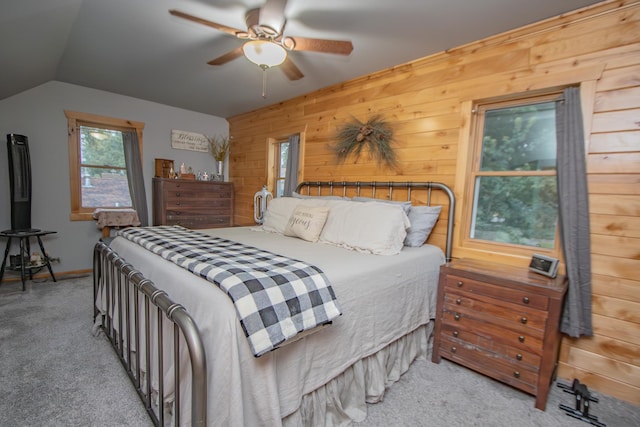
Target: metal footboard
{"type": "Point", "coordinates": [135, 317]}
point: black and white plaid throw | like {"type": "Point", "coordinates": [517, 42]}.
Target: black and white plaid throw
{"type": "Point", "coordinates": [276, 297]}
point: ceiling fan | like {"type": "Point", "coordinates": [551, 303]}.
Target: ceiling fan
{"type": "Point", "coordinates": [264, 41]}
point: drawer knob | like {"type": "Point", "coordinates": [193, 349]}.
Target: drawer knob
{"type": "Point", "coordinates": [455, 333]}
{"type": "Point", "coordinates": [177, 194]}
{"type": "Point", "coordinates": [519, 356]}
{"type": "Point", "coordinates": [523, 320]}
{"type": "Point", "coordinates": [516, 374]}
{"type": "Point", "coordinates": [521, 338]}
{"type": "Point", "coordinates": [453, 349]}
{"type": "Point", "coordinates": [178, 203]}
{"type": "Point", "coordinates": [459, 283]}
{"type": "Point", "coordinates": [525, 300]}
{"type": "Point", "coordinates": [458, 301]}
{"type": "Point", "coordinates": [456, 316]}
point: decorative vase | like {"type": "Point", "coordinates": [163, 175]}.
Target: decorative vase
{"type": "Point", "coordinates": [220, 171]}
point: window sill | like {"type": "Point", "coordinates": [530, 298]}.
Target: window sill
{"type": "Point", "coordinates": [81, 216]}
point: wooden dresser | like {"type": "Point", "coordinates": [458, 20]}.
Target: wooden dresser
{"type": "Point", "coordinates": [501, 321]}
{"type": "Point", "coordinates": [192, 204]}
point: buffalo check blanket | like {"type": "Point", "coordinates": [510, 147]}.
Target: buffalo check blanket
{"type": "Point", "coordinates": [275, 297]}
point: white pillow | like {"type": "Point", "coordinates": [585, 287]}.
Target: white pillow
{"type": "Point", "coordinates": [423, 219]}
{"type": "Point", "coordinates": [306, 222]}
{"type": "Point", "coordinates": [278, 212]}
{"type": "Point", "coordinates": [370, 227]}
{"type": "Point", "coordinates": [305, 196]}
{"type": "Point", "coordinates": [406, 206]}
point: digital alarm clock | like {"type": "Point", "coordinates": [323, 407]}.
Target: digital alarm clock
{"type": "Point", "coordinates": [544, 265]}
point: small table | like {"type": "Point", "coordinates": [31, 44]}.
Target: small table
{"type": "Point", "coordinates": [107, 218]}
{"type": "Point", "coordinates": [24, 256]}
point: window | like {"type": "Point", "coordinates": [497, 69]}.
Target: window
{"type": "Point", "coordinates": [281, 153]}
{"type": "Point", "coordinates": [512, 182]}
{"type": "Point", "coordinates": [97, 170]}
{"type": "Point", "coordinates": [277, 150]}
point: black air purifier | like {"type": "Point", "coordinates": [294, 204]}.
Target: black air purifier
{"type": "Point", "coordinates": [19, 182]}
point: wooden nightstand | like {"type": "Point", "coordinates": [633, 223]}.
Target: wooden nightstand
{"type": "Point", "coordinates": [501, 321]}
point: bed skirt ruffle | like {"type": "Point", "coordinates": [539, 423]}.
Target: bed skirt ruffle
{"type": "Point", "coordinates": [344, 399]}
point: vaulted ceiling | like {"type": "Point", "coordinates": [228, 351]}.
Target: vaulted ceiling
{"type": "Point", "coordinates": [136, 48]}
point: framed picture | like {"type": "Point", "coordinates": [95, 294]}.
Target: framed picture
{"type": "Point", "coordinates": [544, 265]}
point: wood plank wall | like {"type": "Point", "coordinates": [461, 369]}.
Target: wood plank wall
{"type": "Point", "coordinates": [428, 103]}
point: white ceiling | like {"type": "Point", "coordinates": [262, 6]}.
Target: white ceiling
{"type": "Point", "coordinates": [135, 48]}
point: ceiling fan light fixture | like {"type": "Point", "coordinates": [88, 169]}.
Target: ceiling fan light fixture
{"type": "Point", "coordinates": [264, 53]}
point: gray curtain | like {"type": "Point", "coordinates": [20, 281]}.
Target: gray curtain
{"type": "Point", "coordinates": [573, 204]}
{"type": "Point", "coordinates": [134, 173]}
{"type": "Point", "coordinates": [291, 180]}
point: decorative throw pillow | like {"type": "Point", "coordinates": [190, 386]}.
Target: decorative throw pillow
{"type": "Point", "coordinates": [423, 219]}
{"type": "Point", "coordinates": [306, 222]}
{"type": "Point", "coordinates": [278, 212]}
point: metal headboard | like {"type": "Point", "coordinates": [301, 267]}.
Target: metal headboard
{"type": "Point", "coordinates": [389, 186]}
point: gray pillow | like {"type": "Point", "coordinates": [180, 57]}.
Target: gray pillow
{"type": "Point", "coordinates": [423, 219]}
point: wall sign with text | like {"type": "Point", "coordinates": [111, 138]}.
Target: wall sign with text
{"type": "Point", "coordinates": [183, 140]}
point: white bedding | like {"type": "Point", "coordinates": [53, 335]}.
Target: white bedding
{"type": "Point", "coordinates": [382, 297]}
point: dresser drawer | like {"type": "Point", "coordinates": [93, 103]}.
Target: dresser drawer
{"type": "Point", "coordinates": [190, 185]}
{"type": "Point", "coordinates": [196, 222]}
{"type": "Point", "coordinates": [511, 295]}
{"type": "Point", "coordinates": [198, 194]}
{"type": "Point", "coordinates": [201, 205]}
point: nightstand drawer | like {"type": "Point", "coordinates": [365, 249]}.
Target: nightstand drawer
{"type": "Point", "coordinates": [508, 352]}
{"type": "Point", "coordinates": [486, 362]}
{"type": "Point", "coordinates": [511, 295]}
{"type": "Point", "coordinates": [508, 315]}
{"type": "Point", "coordinates": [498, 333]}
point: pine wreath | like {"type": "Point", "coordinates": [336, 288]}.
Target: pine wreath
{"type": "Point", "coordinates": [376, 134]}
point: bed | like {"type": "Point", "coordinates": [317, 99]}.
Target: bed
{"type": "Point", "coordinates": [184, 347]}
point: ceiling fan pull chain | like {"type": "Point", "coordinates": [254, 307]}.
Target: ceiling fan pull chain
{"type": "Point", "coordinates": [264, 81]}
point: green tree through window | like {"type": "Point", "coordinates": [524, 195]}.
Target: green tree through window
{"type": "Point", "coordinates": [281, 172]}
{"type": "Point", "coordinates": [97, 171]}
{"type": "Point", "coordinates": [103, 169]}
{"type": "Point", "coordinates": [515, 196]}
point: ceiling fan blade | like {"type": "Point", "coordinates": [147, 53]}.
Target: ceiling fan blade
{"type": "Point", "coordinates": [224, 28]}
{"type": "Point", "coordinates": [272, 15]}
{"type": "Point", "coordinates": [291, 70]}
{"type": "Point", "coordinates": [340, 47]}
{"type": "Point", "coordinates": [227, 57]}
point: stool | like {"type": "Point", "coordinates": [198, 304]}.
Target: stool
{"type": "Point", "coordinates": [25, 253]}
